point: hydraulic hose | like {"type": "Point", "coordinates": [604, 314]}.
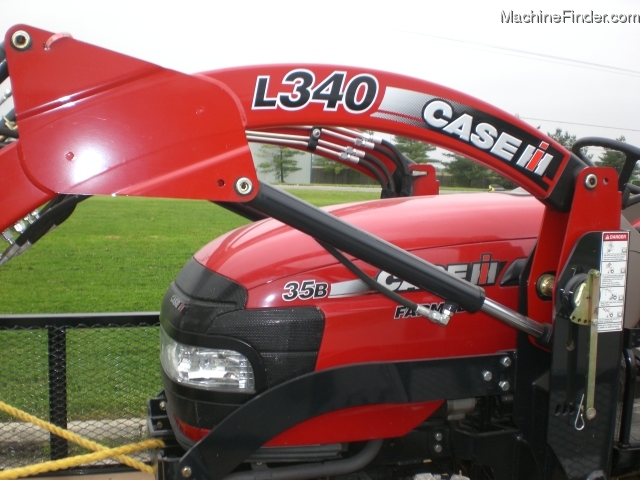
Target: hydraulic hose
{"type": "Point", "coordinates": [380, 164]}
{"type": "Point", "coordinates": [4, 67]}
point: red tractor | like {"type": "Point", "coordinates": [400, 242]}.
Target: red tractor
{"type": "Point", "coordinates": [462, 336]}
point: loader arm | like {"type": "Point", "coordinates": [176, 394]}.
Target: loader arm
{"type": "Point", "coordinates": [107, 124]}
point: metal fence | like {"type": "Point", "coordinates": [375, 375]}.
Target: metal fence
{"type": "Point", "coordinates": [90, 373]}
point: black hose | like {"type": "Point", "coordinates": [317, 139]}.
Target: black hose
{"type": "Point", "coordinates": [4, 67]}
{"type": "Point", "coordinates": [372, 283]}
{"type": "Point", "coordinates": [53, 215]}
{"type": "Point", "coordinates": [380, 164]}
{"type": "Point", "coordinates": [402, 159]}
{"type": "Point", "coordinates": [6, 132]}
{"type": "Point", "coordinates": [314, 470]}
{"type": "Point", "coordinates": [376, 173]}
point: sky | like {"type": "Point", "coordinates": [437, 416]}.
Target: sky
{"type": "Point", "coordinates": [581, 77]}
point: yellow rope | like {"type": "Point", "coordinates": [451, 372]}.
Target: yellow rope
{"type": "Point", "coordinates": [83, 442]}
{"type": "Point", "coordinates": [78, 460]}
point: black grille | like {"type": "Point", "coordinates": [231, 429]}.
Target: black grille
{"type": "Point", "coordinates": [273, 329]}
{"type": "Point", "coordinates": [283, 366]}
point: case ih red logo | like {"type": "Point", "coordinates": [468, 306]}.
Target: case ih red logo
{"type": "Point", "coordinates": [484, 273]}
{"type": "Point", "coordinates": [178, 303]}
{"type": "Point", "coordinates": [524, 151]}
{"type": "Point", "coordinates": [535, 159]}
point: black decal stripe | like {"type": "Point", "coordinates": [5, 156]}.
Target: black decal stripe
{"type": "Point", "coordinates": [306, 397]}
{"type": "Point", "coordinates": [406, 106]}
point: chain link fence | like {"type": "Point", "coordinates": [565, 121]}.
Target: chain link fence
{"type": "Point", "coordinates": [90, 373]}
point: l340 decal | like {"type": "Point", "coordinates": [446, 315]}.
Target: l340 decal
{"type": "Point", "coordinates": [298, 88]}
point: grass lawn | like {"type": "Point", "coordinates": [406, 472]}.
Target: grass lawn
{"type": "Point", "coordinates": [120, 254]}
{"type": "Point", "coordinates": [113, 254]}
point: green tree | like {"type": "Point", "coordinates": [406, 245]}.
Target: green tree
{"type": "Point", "coordinates": [414, 149]}
{"type": "Point", "coordinates": [281, 161]}
{"type": "Point", "coordinates": [329, 166]}
{"type": "Point", "coordinates": [612, 158]}
{"type": "Point", "coordinates": [567, 140]}
{"type": "Point", "coordinates": [466, 173]}
{"type": "Point", "coordinates": [563, 138]}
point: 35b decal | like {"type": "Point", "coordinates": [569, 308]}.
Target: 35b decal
{"type": "Point", "coordinates": [305, 290]}
{"type": "Point", "coordinates": [299, 88]}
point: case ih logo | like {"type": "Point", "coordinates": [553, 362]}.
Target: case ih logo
{"type": "Point", "coordinates": [504, 141]}
{"type": "Point", "coordinates": [485, 272]}
{"type": "Point", "coordinates": [178, 303]}
{"type": "Point", "coordinates": [535, 159]}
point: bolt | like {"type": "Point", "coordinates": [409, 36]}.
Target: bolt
{"type": "Point", "coordinates": [163, 406]}
{"type": "Point", "coordinates": [438, 436]}
{"type": "Point", "coordinates": [316, 132]}
{"type": "Point", "coordinates": [591, 413]}
{"type": "Point", "coordinates": [487, 376]}
{"type": "Point", "coordinates": [590, 181]}
{"type": "Point", "coordinates": [20, 40]}
{"type": "Point", "coordinates": [504, 385]}
{"type": "Point", "coordinates": [244, 186]}
{"type": "Point", "coordinates": [545, 285]}
{"type": "Point", "coordinates": [505, 362]}
{"type": "Point", "coordinates": [159, 425]}
{"type": "Point", "coordinates": [437, 448]}
{"type": "Point", "coordinates": [186, 472]}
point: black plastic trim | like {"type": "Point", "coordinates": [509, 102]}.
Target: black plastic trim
{"type": "Point", "coordinates": [511, 276]}
{"type": "Point", "coordinates": [282, 407]}
{"type": "Point", "coordinates": [561, 197]}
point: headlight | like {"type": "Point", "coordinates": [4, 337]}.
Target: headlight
{"type": "Point", "coordinates": [205, 368]}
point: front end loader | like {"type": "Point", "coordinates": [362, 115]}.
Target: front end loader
{"type": "Point", "coordinates": [484, 336]}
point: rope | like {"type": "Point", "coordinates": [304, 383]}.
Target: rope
{"type": "Point", "coordinates": [78, 460]}
{"type": "Point", "coordinates": [102, 452]}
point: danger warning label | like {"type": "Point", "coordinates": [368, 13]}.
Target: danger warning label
{"type": "Point", "coordinates": [613, 279]}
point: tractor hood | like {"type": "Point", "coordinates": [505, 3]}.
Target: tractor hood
{"type": "Point", "coordinates": [268, 250]}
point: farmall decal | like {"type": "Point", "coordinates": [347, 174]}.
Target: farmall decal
{"type": "Point", "coordinates": [523, 151]}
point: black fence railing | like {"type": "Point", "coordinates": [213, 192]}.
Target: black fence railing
{"type": "Point", "coordinates": [90, 373]}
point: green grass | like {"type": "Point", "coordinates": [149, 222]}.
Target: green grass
{"type": "Point", "coordinates": [121, 254]}
{"type": "Point", "coordinates": [112, 255]}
